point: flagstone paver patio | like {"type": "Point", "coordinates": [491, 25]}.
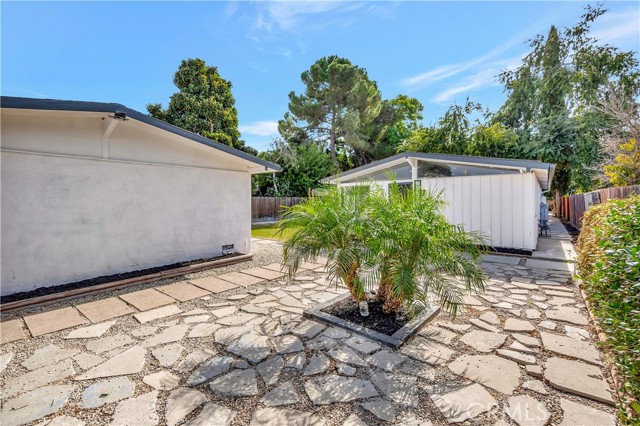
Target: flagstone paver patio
{"type": "Point", "coordinates": [234, 349]}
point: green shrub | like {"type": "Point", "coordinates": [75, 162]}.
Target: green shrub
{"type": "Point", "coordinates": [609, 266]}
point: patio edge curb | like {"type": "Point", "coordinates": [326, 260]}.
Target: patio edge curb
{"type": "Point", "coordinates": [394, 341]}
{"type": "Point", "coordinates": [169, 273]}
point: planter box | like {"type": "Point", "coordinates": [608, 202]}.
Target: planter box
{"type": "Point", "coordinates": [394, 341]}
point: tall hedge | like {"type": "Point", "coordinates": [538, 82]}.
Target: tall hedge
{"type": "Point", "coordinates": [609, 266]}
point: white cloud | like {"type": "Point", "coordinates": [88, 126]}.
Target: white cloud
{"type": "Point", "coordinates": [617, 26]}
{"type": "Point", "coordinates": [260, 128]}
{"type": "Point", "coordinates": [293, 15]}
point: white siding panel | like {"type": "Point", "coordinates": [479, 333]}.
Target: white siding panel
{"type": "Point", "coordinates": [502, 207]}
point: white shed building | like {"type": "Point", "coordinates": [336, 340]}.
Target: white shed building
{"type": "Point", "coordinates": [93, 189]}
{"type": "Point", "coordinates": [498, 197]}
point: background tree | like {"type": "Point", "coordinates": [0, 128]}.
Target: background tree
{"type": "Point", "coordinates": [204, 104]}
{"type": "Point", "coordinates": [304, 164]}
{"type": "Point", "coordinates": [338, 102]}
{"type": "Point", "coordinates": [552, 99]}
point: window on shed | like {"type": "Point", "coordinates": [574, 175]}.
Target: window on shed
{"type": "Point", "coordinates": [432, 169]}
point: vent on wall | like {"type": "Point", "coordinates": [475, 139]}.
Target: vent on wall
{"type": "Point", "coordinates": [228, 249]}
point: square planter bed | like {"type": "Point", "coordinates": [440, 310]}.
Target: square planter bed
{"type": "Point", "coordinates": [394, 340]}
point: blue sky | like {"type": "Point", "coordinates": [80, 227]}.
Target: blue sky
{"type": "Point", "coordinates": [127, 52]}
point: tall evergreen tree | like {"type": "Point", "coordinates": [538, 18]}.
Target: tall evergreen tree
{"type": "Point", "coordinates": [203, 104]}
{"type": "Point", "coordinates": [338, 102]}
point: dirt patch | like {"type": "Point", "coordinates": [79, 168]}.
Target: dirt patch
{"type": "Point", "coordinates": [348, 310]}
{"type": "Point", "coordinates": [43, 291]}
{"type": "Point", "coordinates": [573, 231]}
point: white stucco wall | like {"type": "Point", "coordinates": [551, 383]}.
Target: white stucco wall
{"type": "Point", "coordinates": [68, 214]}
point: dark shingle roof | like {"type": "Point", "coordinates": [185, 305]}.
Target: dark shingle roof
{"type": "Point", "coordinates": [82, 106]}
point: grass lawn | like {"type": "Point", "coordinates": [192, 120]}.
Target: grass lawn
{"type": "Point", "coordinates": [270, 232]}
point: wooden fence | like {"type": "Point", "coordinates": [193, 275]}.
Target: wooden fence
{"type": "Point", "coordinates": [269, 208]}
{"type": "Point", "coordinates": [574, 206]}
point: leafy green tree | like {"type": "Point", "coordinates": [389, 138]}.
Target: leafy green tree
{"type": "Point", "coordinates": [553, 95]}
{"type": "Point", "coordinates": [203, 104]}
{"type": "Point", "coordinates": [398, 119]}
{"type": "Point", "coordinates": [338, 101]}
{"type": "Point", "coordinates": [303, 164]}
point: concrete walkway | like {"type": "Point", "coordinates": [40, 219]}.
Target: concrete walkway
{"type": "Point", "coordinates": [234, 349]}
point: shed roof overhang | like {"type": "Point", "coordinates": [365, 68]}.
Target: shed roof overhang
{"type": "Point", "coordinates": [255, 164]}
{"type": "Point", "coordinates": [543, 171]}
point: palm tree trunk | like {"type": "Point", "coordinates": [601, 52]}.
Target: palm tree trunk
{"type": "Point", "coordinates": [385, 295]}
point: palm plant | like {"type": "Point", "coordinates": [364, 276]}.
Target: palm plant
{"type": "Point", "coordinates": [334, 224]}
{"type": "Point", "coordinates": [419, 253]}
{"type": "Point", "coordinates": [398, 244]}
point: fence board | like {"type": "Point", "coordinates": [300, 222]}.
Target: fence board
{"type": "Point", "coordinates": [270, 208]}
{"type": "Point", "coordinates": [574, 206]}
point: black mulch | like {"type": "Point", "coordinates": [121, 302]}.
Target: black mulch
{"type": "Point", "coordinates": [347, 309]}
{"type": "Point", "coordinates": [43, 291]}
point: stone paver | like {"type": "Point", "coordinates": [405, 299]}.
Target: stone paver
{"type": "Point", "coordinates": [193, 360]}
{"type": "Point", "coordinates": [168, 355]}
{"type": "Point", "coordinates": [512, 324]}
{"type": "Point", "coordinates": [106, 392]}
{"type": "Point", "coordinates": [236, 383]}
{"type": "Point", "coordinates": [495, 372]}
{"type": "Point", "coordinates": [162, 380]}
{"type": "Point", "coordinates": [130, 361]}
{"type": "Point", "coordinates": [181, 402]}
{"type": "Point", "coordinates": [168, 335]}
{"type": "Point", "coordinates": [49, 322]}
{"type": "Point", "coordinates": [381, 409]}
{"type": "Point", "coordinates": [574, 414]}
{"type": "Point", "coordinates": [139, 411]}
{"type": "Point", "coordinates": [38, 378]}
{"type": "Point", "coordinates": [240, 279]}
{"type": "Point", "coordinates": [237, 319]}
{"type": "Point", "coordinates": [5, 359]}
{"type": "Point", "coordinates": [213, 414]}
{"type": "Point", "coordinates": [386, 360]}
{"type": "Point", "coordinates": [213, 284]}
{"type": "Point", "coordinates": [277, 417]}
{"type": "Point", "coordinates": [287, 344]}
{"type": "Point", "coordinates": [203, 330]}
{"type": "Point", "coordinates": [264, 273]}
{"type": "Point", "coordinates": [210, 369]}
{"type": "Point", "coordinates": [578, 378]}
{"type": "Point", "coordinates": [348, 356]}
{"type": "Point", "coordinates": [270, 370]}
{"type": "Point", "coordinates": [281, 395]}
{"type": "Point", "coordinates": [156, 314]}
{"type": "Point", "coordinates": [527, 411]}
{"type": "Point", "coordinates": [362, 344]}
{"type": "Point", "coordinates": [483, 341]}
{"type": "Point", "coordinates": [109, 343]}
{"type": "Point", "coordinates": [427, 351]}
{"type": "Point", "coordinates": [319, 363]}
{"type": "Point", "coordinates": [464, 403]}
{"type": "Point", "coordinates": [331, 388]}
{"type": "Point", "coordinates": [105, 309]}
{"type": "Point", "coordinates": [567, 314]}
{"type": "Point", "coordinates": [400, 388]}
{"type": "Point", "coordinates": [571, 347]}
{"type": "Point", "coordinates": [183, 291]}
{"type": "Point", "coordinates": [12, 330]}
{"type": "Point", "coordinates": [35, 405]}
{"type": "Point", "coordinates": [145, 300]}
{"type": "Point", "coordinates": [90, 332]}
{"type": "Point", "coordinates": [518, 357]}
{"type": "Point", "coordinates": [48, 355]}
{"type": "Point", "coordinates": [252, 347]}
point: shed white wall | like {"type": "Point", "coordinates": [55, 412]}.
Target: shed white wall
{"type": "Point", "coordinates": [504, 208]}
{"type": "Point", "coordinates": [69, 214]}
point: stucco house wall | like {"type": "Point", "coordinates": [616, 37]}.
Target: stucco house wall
{"type": "Point", "coordinates": [77, 205]}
